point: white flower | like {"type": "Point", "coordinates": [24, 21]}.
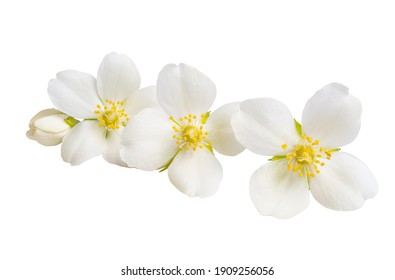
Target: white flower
{"type": "Point", "coordinates": [49, 126]}
{"type": "Point", "coordinates": [305, 160]}
{"type": "Point", "coordinates": [181, 137]}
{"type": "Point", "coordinates": [105, 105]}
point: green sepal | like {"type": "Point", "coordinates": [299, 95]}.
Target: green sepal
{"type": "Point", "coordinates": [166, 166]}
{"type": "Point", "coordinates": [205, 117]}
{"type": "Point", "coordinates": [208, 147]}
{"type": "Point", "coordinates": [277, 157]}
{"type": "Point", "coordinates": [71, 121]}
{"type": "Point", "coordinates": [298, 128]}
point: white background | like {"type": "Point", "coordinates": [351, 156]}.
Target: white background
{"type": "Point", "coordinates": [90, 221]}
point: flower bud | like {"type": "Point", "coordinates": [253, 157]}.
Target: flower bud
{"type": "Point", "coordinates": [49, 126]}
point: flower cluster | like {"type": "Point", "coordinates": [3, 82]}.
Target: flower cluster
{"type": "Point", "coordinates": [170, 127]}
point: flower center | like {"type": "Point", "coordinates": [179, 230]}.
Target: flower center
{"type": "Point", "coordinates": [307, 156]}
{"type": "Point", "coordinates": [112, 115]}
{"type": "Point", "coordinates": [189, 132]}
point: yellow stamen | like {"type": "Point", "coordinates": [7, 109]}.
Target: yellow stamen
{"type": "Point", "coordinates": [306, 157]}
{"type": "Point", "coordinates": [189, 132]}
{"type": "Point", "coordinates": [112, 115]}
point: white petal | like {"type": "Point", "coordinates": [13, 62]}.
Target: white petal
{"type": "Point", "coordinates": [263, 125]}
{"type": "Point", "coordinates": [332, 116]}
{"type": "Point", "coordinates": [147, 141]}
{"type": "Point", "coordinates": [221, 134]}
{"type": "Point", "coordinates": [196, 173]}
{"type": "Point", "coordinates": [143, 98]}
{"type": "Point", "coordinates": [278, 192]}
{"type": "Point", "coordinates": [53, 121]}
{"type": "Point", "coordinates": [117, 77]}
{"type": "Point", "coordinates": [48, 127]}
{"type": "Point", "coordinates": [84, 141]}
{"type": "Point", "coordinates": [184, 90]}
{"type": "Point", "coordinates": [344, 183]}
{"type": "Point", "coordinates": [111, 154]}
{"type": "Point", "coordinates": [74, 93]}
{"type": "Point", "coordinates": [44, 113]}
{"type": "Point", "coordinates": [46, 139]}
{"type": "Point", "coordinates": [52, 124]}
